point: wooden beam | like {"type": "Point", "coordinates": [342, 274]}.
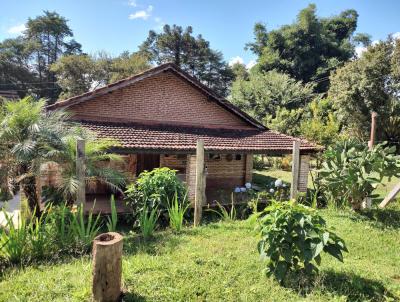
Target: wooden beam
{"type": "Point", "coordinates": [80, 171]}
{"type": "Point", "coordinates": [390, 196]}
{"type": "Point", "coordinates": [295, 169]}
{"type": "Point", "coordinates": [200, 183]}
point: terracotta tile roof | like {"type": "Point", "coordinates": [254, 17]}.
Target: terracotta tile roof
{"type": "Point", "coordinates": [183, 138]}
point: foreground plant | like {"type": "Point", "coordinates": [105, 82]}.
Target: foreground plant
{"type": "Point", "coordinates": [176, 212]}
{"type": "Point", "coordinates": [293, 237]}
{"type": "Point", "coordinates": [148, 222]}
{"type": "Point", "coordinates": [351, 172]}
{"type": "Point", "coordinates": [113, 220]}
{"type": "Point", "coordinates": [85, 229]}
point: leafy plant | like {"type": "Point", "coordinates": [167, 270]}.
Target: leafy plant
{"type": "Point", "coordinates": [112, 221]}
{"type": "Point", "coordinates": [153, 189]}
{"type": "Point", "coordinates": [85, 229]}
{"type": "Point", "coordinates": [226, 215]}
{"type": "Point", "coordinates": [38, 238]}
{"type": "Point", "coordinates": [14, 239]}
{"type": "Point", "coordinates": [59, 223]}
{"type": "Point", "coordinates": [351, 172]}
{"type": "Point", "coordinates": [176, 212]}
{"type": "Point", "coordinates": [148, 222]}
{"type": "Point", "coordinates": [293, 237]}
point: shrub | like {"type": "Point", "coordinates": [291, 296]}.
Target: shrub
{"type": "Point", "coordinates": [148, 221]}
{"type": "Point", "coordinates": [176, 212]}
{"type": "Point", "coordinates": [293, 237]}
{"type": "Point", "coordinates": [351, 172]}
{"type": "Point", "coordinates": [153, 189]}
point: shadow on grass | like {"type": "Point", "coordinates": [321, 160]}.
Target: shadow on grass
{"type": "Point", "coordinates": [349, 285]}
{"type": "Point", "coordinates": [382, 218]}
{"type": "Point", "coordinates": [263, 180]}
{"type": "Point", "coordinates": [161, 243]}
{"type": "Point", "coordinates": [354, 287]}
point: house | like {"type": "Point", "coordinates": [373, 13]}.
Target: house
{"type": "Point", "coordinates": [159, 115]}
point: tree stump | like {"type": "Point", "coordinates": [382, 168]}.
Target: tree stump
{"type": "Point", "coordinates": [107, 267]}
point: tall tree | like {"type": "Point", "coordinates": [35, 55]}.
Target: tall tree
{"type": "Point", "coordinates": [371, 83]}
{"type": "Point", "coordinates": [310, 48]}
{"type": "Point", "coordinates": [48, 34]}
{"type": "Point", "coordinates": [81, 73]}
{"type": "Point", "coordinates": [192, 54]}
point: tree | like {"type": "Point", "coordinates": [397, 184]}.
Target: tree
{"type": "Point", "coordinates": [81, 73]}
{"type": "Point", "coordinates": [240, 71]}
{"type": "Point", "coordinates": [309, 48]}
{"type": "Point", "coordinates": [192, 54]}
{"type": "Point", "coordinates": [28, 135]}
{"type": "Point", "coordinates": [48, 35]}
{"type": "Point", "coordinates": [371, 83]}
{"type": "Point", "coordinates": [265, 92]}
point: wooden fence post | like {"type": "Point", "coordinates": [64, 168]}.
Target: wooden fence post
{"type": "Point", "coordinates": [295, 169]}
{"type": "Point", "coordinates": [80, 171]}
{"type": "Point", "coordinates": [200, 183]}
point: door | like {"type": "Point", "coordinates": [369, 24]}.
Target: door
{"type": "Point", "coordinates": [147, 161]}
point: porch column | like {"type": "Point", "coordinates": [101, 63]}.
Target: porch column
{"type": "Point", "coordinates": [80, 171]}
{"type": "Point", "coordinates": [295, 169]}
{"type": "Point", "coordinates": [303, 173]}
{"type": "Point", "coordinates": [249, 167]}
{"type": "Point", "coordinates": [199, 198]}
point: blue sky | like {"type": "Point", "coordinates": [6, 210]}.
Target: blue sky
{"type": "Point", "coordinates": [118, 25]}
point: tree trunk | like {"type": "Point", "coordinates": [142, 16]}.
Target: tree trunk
{"type": "Point", "coordinates": [30, 192]}
{"type": "Point", "coordinates": [107, 267]}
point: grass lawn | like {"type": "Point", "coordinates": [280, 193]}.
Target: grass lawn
{"type": "Point", "coordinates": [219, 262]}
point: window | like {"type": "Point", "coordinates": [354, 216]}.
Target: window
{"type": "Point", "coordinates": [181, 156]}
{"type": "Point", "coordinates": [213, 156]}
{"type": "Point", "coordinates": [238, 157]}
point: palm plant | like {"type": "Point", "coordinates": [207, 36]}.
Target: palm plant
{"type": "Point", "coordinates": [28, 134]}
{"type": "Point", "coordinates": [96, 162]}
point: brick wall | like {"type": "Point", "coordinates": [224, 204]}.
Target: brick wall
{"type": "Point", "coordinates": [224, 173]}
{"type": "Point", "coordinates": [164, 98]}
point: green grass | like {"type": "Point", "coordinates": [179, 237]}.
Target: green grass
{"type": "Point", "coordinates": [219, 262]}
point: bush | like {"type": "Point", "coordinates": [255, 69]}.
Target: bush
{"type": "Point", "coordinates": [351, 172]}
{"type": "Point", "coordinates": [293, 237]}
{"type": "Point", "coordinates": [153, 190]}
{"type": "Point", "coordinates": [148, 221]}
{"type": "Point", "coordinates": [176, 212]}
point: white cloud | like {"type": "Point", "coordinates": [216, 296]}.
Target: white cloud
{"type": "Point", "coordinates": [17, 29]}
{"type": "Point", "coordinates": [396, 35]}
{"type": "Point", "coordinates": [251, 64]}
{"type": "Point", "coordinates": [240, 60]}
{"type": "Point", "coordinates": [132, 3]}
{"type": "Point", "coordinates": [159, 23]}
{"type": "Point", "coordinates": [236, 60]}
{"type": "Point", "coordinates": [142, 14]}
{"type": "Point", "coordinates": [359, 50]}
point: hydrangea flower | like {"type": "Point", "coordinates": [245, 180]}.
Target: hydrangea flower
{"type": "Point", "coordinates": [248, 185]}
{"type": "Point", "coordinates": [272, 191]}
{"type": "Point", "coordinates": [237, 190]}
{"type": "Point", "coordinates": [242, 189]}
{"type": "Point", "coordinates": [278, 183]}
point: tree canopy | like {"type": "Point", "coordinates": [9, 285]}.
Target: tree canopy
{"type": "Point", "coordinates": [371, 83]}
{"type": "Point", "coordinates": [310, 48]}
{"type": "Point", "coordinates": [193, 54]}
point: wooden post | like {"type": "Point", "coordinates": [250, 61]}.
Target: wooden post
{"type": "Point", "coordinates": [200, 183]}
{"type": "Point", "coordinates": [295, 169]}
{"type": "Point", "coordinates": [80, 171]}
{"type": "Point", "coordinates": [392, 194]}
{"type": "Point", "coordinates": [107, 267]}
{"type": "Point", "coordinates": [373, 130]}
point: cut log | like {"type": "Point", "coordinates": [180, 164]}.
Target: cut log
{"type": "Point", "coordinates": [107, 267]}
{"type": "Point", "coordinates": [390, 196]}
